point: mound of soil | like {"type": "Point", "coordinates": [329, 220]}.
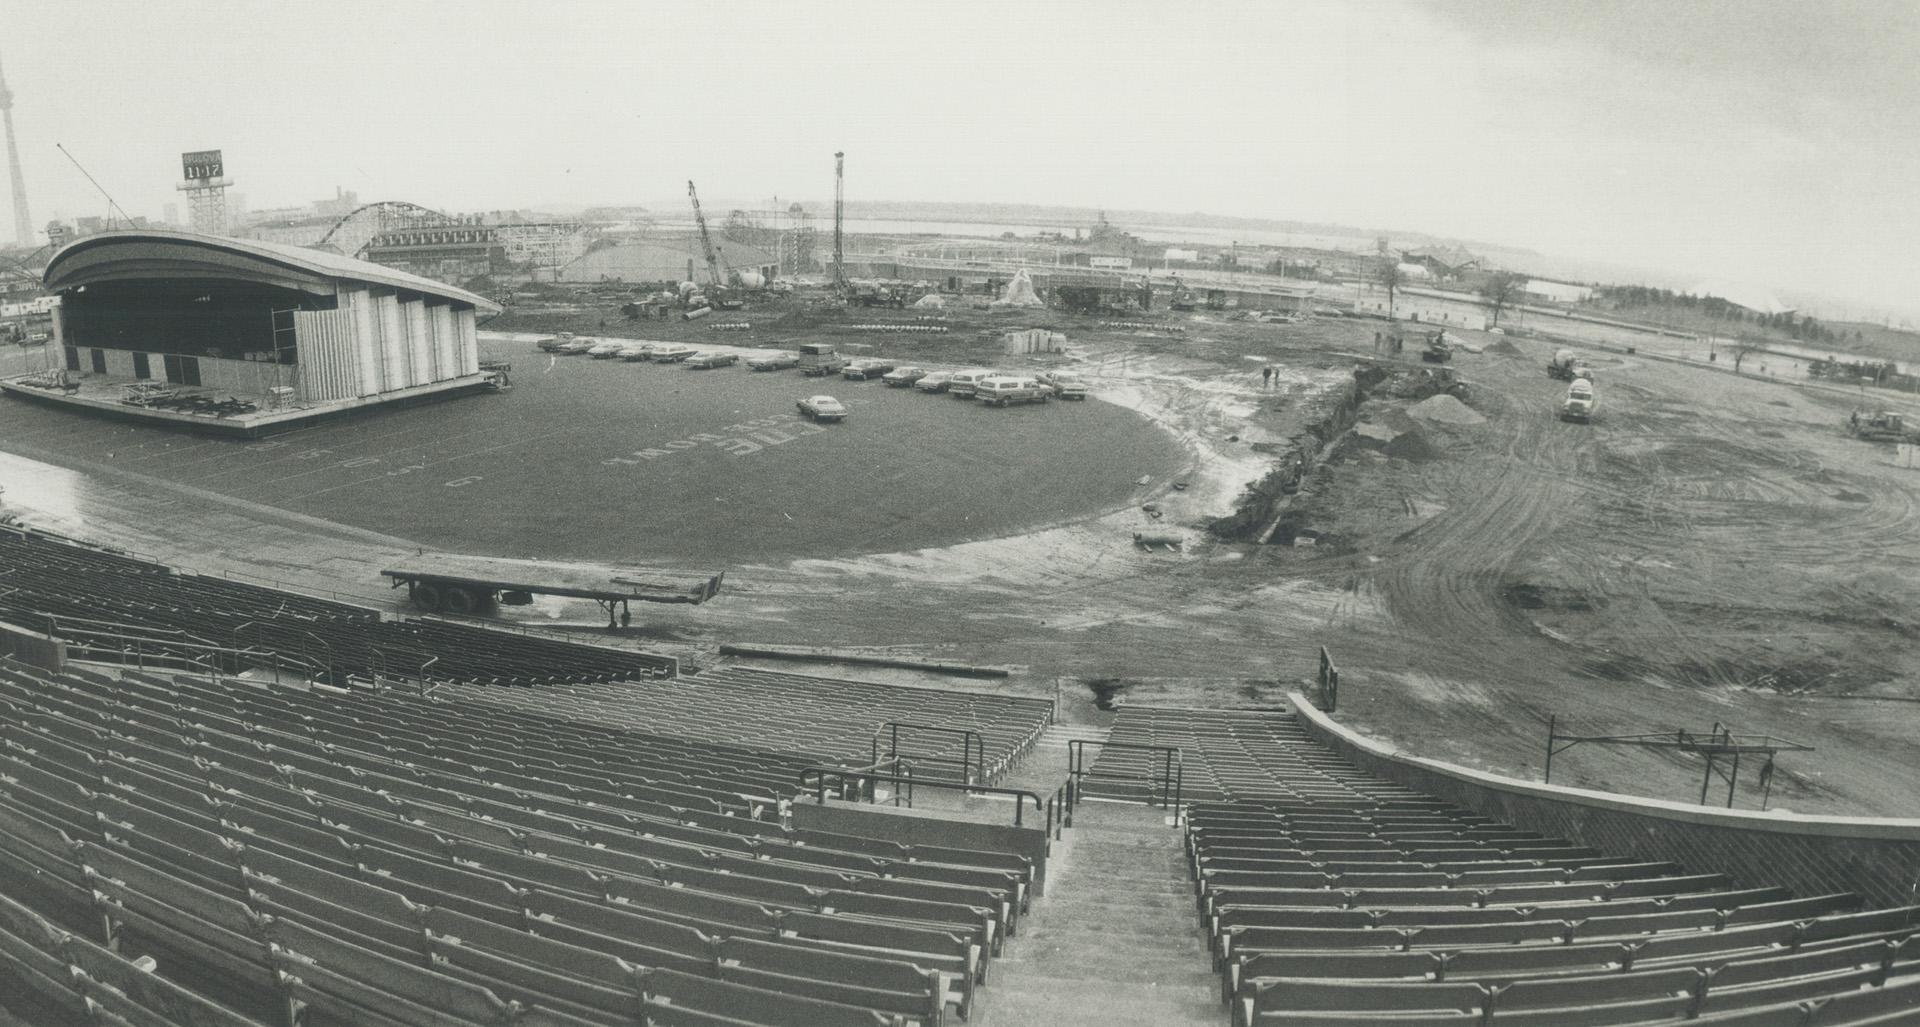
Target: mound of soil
{"type": "Point", "coordinates": [1446, 410]}
{"type": "Point", "coordinates": [1413, 446]}
{"type": "Point", "coordinates": [1503, 348]}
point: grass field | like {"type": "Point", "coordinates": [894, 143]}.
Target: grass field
{"type": "Point", "coordinates": [647, 463]}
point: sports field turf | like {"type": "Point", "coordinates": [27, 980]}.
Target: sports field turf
{"type": "Point", "coordinates": [654, 463]}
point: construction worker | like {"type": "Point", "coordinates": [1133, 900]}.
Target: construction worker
{"type": "Point", "coordinates": [1266, 376]}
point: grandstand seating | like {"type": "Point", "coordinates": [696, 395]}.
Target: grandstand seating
{"type": "Point", "coordinates": [1329, 897]}
{"type": "Point", "coordinates": [181, 850]}
{"type": "Point", "coordinates": [395, 859]}
{"type": "Point", "coordinates": [830, 719]}
{"type": "Point", "coordinates": [115, 608]}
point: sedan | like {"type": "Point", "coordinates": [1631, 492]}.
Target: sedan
{"type": "Point", "coordinates": [861, 370]}
{"type": "Point", "coordinates": [774, 361]}
{"type": "Point", "coordinates": [935, 381]}
{"type": "Point", "coordinates": [1063, 385]}
{"type": "Point", "coordinates": [903, 377]}
{"type": "Point", "coordinates": [637, 351]}
{"type": "Point", "coordinates": [712, 360]}
{"type": "Point", "coordinates": [606, 350]}
{"type": "Point", "coordinates": [553, 345]}
{"type": "Point", "coordinates": [577, 345]}
{"type": "Point", "coordinates": [822, 408]}
{"type": "Point", "coordinates": [672, 354]}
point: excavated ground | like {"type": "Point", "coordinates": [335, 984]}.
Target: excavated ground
{"type": "Point", "coordinates": [1711, 548]}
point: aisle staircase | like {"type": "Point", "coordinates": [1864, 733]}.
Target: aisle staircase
{"type": "Point", "coordinates": [1116, 940]}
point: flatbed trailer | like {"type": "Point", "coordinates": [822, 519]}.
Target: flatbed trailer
{"type": "Point", "coordinates": [465, 585]}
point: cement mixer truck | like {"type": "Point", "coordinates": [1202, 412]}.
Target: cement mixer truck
{"type": "Point", "coordinates": [1580, 401]}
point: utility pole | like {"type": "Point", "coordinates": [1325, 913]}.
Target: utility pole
{"type": "Point", "coordinates": [839, 219]}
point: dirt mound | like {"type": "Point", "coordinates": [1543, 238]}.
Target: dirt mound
{"type": "Point", "coordinates": [1446, 410]}
{"type": "Point", "coordinates": [1413, 446]}
{"type": "Point", "coordinates": [1503, 348]}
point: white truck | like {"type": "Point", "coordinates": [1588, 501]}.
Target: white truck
{"type": "Point", "coordinates": [1580, 401]}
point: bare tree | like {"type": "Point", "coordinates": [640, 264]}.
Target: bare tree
{"type": "Point", "coordinates": [1390, 275]}
{"type": "Point", "coordinates": [1501, 291]}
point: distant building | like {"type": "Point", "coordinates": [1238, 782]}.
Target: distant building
{"type": "Point", "coordinates": [545, 244]}
{"type": "Point", "coordinates": [452, 253]}
{"type": "Point", "coordinates": [667, 261]}
{"type": "Point", "coordinates": [1444, 261]}
{"type": "Point", "coordinates": [1557, 292]}
{"type": "Point", "coordinates": [304, 230]}
{"type": "Point", "coordinates": [1174, 254]}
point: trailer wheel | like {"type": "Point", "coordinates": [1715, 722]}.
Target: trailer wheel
{"type": "Point", "coordinates": [426, 595]}
{"type": "Point", "coordinates": [460, 602]}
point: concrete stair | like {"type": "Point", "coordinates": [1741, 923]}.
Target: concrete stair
{"type": "Point", "coordinates": [1044, 767]}
{"type": "Point", "coordinates": [1116, 939]}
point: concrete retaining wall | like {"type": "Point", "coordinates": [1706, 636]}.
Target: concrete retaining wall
{"type": "Point", "coordinates": [33, 648]}
{"type": "Point", "coordinates": [910, 828]}
{"type": "Point", "coordinates": [1876, 857]}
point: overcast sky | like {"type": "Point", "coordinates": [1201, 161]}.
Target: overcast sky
{"type": "Point", "coordinates": [1775, 143]}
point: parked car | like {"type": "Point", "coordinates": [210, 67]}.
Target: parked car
{"type": "Point", "coordinates": [637, 351]}
{"type": "Point", "coordinates": [606, 350]}
{"type": "Point", "coordinates": [902, 377]}
{"type": "Point", "coordinates": [553, 345]}
{"type": "Point", "coordinates": [1000, 390]}
{"type": "Point", "coordinates": [577, 345]}
{"type": "Point", "coordinates": [712, 360]}
{"type": "Point", "coordinates": [671, 354]}
{"type": "Point", "coordinates": [774, 361]}
{"type": "Point", "coordinates": [822, 408]}
{"type": "Point", "coordinates": [861, 370]}
{"type": "Point", "coordinates": [1064, 385]}
{"type": "Point", "coordinates": [817, 360]}
{"type": "Point", "coordinates": [960, 384]}
{"type": "Point", "coordinates": [935, 381]}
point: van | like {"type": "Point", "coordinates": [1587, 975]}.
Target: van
{"type": "Point", "coordinates": [818, 360]}
{"type": "Point", "coordinates": [1000, 390]}
{"type": "Point", "coordinates": [962, 383]}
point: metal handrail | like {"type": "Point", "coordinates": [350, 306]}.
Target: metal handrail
{"type": "Point", "coordinates": [1172, 775]}
{"type": "Point", "coordinates": [816, 778]}
{"type": "Point", "coordinates": [969, 741]}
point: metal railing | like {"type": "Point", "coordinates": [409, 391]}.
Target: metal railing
{"type": "Point", "coordinates": [816, 779]}
{"type": "Point", "coordinates": [1328, 679]}
{"type": "Point", "coordinates": [1167, 785]}
{"type": "Point", "coordinates": [972, 768]}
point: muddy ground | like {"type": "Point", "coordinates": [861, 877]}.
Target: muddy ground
{"type": "Point", "coordinates": [1710, 549]}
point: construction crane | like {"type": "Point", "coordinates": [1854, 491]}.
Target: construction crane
{"type": "Point", "coordinates": [839, 218]}
{"type": "Point", "coordinates": [706, 243]}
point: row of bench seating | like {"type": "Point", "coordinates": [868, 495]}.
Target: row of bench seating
{"type": "Point", "coordinates": [101, 598]}
{"type": "Point", "coordinates": [87, 781]}
{"type": "Point", "coordinates": [1330, 897]}
{"type": "Point", "coordinates": [1224, 754]}
{"type": "Point", "coordinates": [831, 719]}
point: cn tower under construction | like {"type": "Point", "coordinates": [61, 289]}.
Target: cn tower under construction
{"type": "Point", "coordinates": [22, 223]}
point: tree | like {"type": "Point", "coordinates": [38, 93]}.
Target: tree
{"type": "Point", "coordinates": [1501, 290]}
{"type": "Point", "coordinates": [1389, 275]}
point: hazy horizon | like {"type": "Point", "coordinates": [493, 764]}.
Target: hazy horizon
{"type": "Point", "coordinates": [1762, 142]}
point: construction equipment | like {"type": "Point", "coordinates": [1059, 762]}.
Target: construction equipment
{"type": "Point", "coordinates": [1881, 426]}
{"type": "Point", "coordinates": [1183, 298]}
{"type": "Point", "coordinates": [1560, 367]}
{"type": "Point", "coordinates": [719, 293]}
{"type": "Point", "coordinates": [1580, 401]}
{"type": "Point", "coordinates": [1437, 351]}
